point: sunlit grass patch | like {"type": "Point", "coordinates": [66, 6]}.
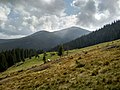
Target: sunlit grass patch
{"type": "Point", "coordinates": [91, 68]}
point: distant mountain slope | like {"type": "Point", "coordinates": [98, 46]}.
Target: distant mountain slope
{"type": "Point", "coordinates": [39, 40]}
{"type": "Point", "coordinates": [43, 39]}
{"type": "Point", "coordinates": [107, 33]}
{"type": "Point", "coordinates": [5, 40]}
{"type": "Point", "coordinates": [71, 33]}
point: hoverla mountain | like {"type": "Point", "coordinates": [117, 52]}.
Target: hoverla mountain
{"type": "Point", "coordinates": [43, 39]}
{"type": "Point", "coordinates": [107, 33]}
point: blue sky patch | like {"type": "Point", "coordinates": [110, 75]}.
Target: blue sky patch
{"type": "Point", "coordinates": [70, 10]}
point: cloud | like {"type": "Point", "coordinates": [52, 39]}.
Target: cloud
{"type": "Point", "coordinates": [24, 17]}
{"type": "Point", "coordinates": [4, 36]}
{"type": "Point", "coordinates": [4, 11]}
{"type": "Point", "coordinates": [95, 13]}
{"type": "Point", "coordinates": [53, 22]}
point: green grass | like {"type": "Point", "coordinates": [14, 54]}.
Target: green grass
{"type": "Point", "coordinates": [30, 63]}
{"type": "Point", "coordinates": [91, 68]}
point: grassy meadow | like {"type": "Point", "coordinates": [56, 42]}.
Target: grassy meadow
{"type": "Point", "coordinates": [92, 68]}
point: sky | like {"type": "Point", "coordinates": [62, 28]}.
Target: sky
{"type": "Point", "coordinates": [20, 18]}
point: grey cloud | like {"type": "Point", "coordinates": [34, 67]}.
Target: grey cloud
{"type": "Point", "coordinates": [110, 5]}
{"type": "Point", "coordinates": [25, 15]}
{"type": "Point", "coordinates": [95, 13]}
{"type": "Point", "coordinates": [11, 30]}
{"type": "Point", "coordinates": [41, 7]}
{"type": "Point", "coordinates": [87, 12]}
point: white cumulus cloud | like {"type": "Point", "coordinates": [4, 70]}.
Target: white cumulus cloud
{"type": "Point", "coordinates": [95, 13]}
{"type": "Point", "coordinates": [23, 17]}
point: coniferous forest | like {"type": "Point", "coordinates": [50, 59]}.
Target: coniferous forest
{"type": "Point", "coordinates": [11, 57]}
{"type": "Point", "coordinates": [107, 33]}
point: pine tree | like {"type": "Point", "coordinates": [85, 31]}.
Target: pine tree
{"type": "Point", "coordinates": [44, 57]}
{"type": "Point", "coordinates": [30, 54]}
{"type": "Point", "coordinates": [22, 55]}
{"type": "Point", "coordinates": [14, 56]}
{"type": "Point", "coordinates": [3, 62]}
{"type": "Point", "coordinates": [60, 50]}
{"type": "Point", "coordinates": [10, 59]}
{"type": "Point", "coordinates": [17, 51]}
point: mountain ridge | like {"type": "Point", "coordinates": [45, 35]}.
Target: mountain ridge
{"type": "Point", "coordinates": [43, 39]}
{"type": "Point", "coordinates": [108, 33]}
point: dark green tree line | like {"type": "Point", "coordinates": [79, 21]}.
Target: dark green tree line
{"type": "Point", "coordinates": [11, 57]}
{"type": "Point", "coordinates": [107, 33]}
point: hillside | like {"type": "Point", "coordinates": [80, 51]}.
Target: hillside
{"type": "Point", "coordinates": [37, 40]}
{"type": "Point", "coordinates": [92, 68]}
{"type": "Point", "coordinates": [43, 39]}
{"type": "Point", "coordinates": [71, 33]}
{"type": "Point", "coordinates": [107, 33]}
{"type": "Point", "coordinates": [6, 40]}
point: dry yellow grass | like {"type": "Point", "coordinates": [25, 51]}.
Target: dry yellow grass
{"type": "Point", "coordinates": [91, 68]}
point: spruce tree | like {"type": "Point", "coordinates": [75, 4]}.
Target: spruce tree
{"type": "Point", "coordinates": [44, 57]}
{"type": "Point", "coordinates": [14, 56]}
{"type": "Point", "coordinates": [29, 54]}
{"type": "Point", "coordinates": [3, 62]}
{"type": "Point", "coordinates": [22, 55]}
{"type": "Point", "coordinates": [60, 50]}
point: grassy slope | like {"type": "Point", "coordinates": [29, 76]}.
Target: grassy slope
{"type": "Point", "coordinates": [92, 68]}
{"type": "Point", "coordinates": [29, 63]}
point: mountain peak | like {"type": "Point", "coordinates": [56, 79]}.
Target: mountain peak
{"type": "Point", "coordinates": [44, 39]}
{"type": "Point", "coordinates": [74, 27]}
